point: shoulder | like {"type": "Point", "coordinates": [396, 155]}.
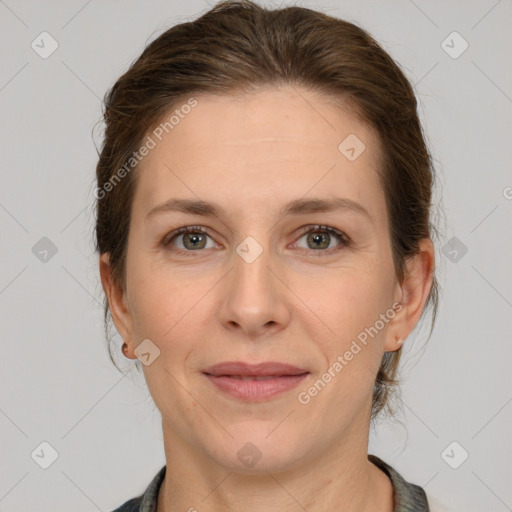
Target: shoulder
{"type": "Point", "coordinates": [147, 501]}
{"type": "Point", "coordinates": [132, 505]}
{"type": "Point", "coordinates": [436, 505]}
{"type": "Point", "coordinates": [408, 497]}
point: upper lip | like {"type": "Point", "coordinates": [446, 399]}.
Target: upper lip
{"type": "Point", "coordinates": [254, 370]}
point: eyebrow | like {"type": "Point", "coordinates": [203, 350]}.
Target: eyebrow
{"type": "Point", "coordinates": [296, 207]}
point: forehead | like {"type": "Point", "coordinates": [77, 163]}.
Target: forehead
{"type": "Point", "coordinates": [258, 149]}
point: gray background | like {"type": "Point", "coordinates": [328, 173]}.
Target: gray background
{"type": "Point", "coordinates": [57, 383]}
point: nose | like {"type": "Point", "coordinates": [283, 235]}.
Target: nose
{"type": "Point", "coordinates": [254, 294]}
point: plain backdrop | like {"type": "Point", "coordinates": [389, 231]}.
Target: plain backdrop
{"type": "Point", "coordinates": [58, 385]}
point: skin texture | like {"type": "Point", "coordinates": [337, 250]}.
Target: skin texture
{"type": "Point", "coordinates": [295, 303]}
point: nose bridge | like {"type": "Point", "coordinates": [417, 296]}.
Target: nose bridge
{"type": "Point", "coordinates": [252, 299]}
{"type": "Point", "coordinates": [252, 261]}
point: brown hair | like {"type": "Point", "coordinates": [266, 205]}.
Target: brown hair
{"type": "Point", "coordinates": [235, 47]}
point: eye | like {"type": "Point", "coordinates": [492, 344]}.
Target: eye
{"type": "Point", "coordinates": [318, 239]}
{"type": "Point", "coordinates": [192, 237]}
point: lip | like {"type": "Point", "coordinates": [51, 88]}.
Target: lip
{"type": "Point", "coordinates": [270, 368]}
{"type": "Point", "coordinates": [239, 379]}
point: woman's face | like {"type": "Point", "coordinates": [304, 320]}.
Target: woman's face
{"type": "Point", "coordinates": [263, 284]}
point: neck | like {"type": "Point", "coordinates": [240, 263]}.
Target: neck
{"type": "Point", "coordinates": [341, 478]}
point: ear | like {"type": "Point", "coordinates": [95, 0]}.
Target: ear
{"type": "Point", "coordinates": [121, 314]}
{"type": "Point", "coordinates": [412, 293]}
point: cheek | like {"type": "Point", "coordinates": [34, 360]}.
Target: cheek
{"type": "Point", "coordinates": [348, 302]}
{"type": "Point", "coordinates": [353, 346]}
{"type": "Point", "coordinates": [351, 312]}
{"type": "Point", "coordinates": [163, 301]}
{"type": "Point", "coordinates": [176, 314]}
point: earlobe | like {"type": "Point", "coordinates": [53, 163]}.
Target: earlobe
{"type": "Point", "coordinates": [414, 292]}
{"type": "Point", "coordinates": [121, 316]}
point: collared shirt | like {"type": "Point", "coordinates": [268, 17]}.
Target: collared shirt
{"type": "Point", "coordinates": [407, 497]}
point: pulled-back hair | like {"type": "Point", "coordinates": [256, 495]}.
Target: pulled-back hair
{"type": "Point", "coordinates": [238, 46]}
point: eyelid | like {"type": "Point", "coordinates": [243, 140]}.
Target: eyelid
{"type": "Point", "coordinates": [322, 227]}
{"type": "Point", "coordinates": [345, 240]}
{"type": "Point", "coordinates": [185, 229]}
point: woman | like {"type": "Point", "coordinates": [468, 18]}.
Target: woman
{"type": "Point", "coordinates": [264, 194]}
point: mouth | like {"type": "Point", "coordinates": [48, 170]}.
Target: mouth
{"type": "Point", "coordinates": [265, 369]}
{"type": "Point", "coordinates": [253, 377]}
{"type": "Point", "coordinates": [254, 383]}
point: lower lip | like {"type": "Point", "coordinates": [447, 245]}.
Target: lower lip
{"type": "Point", "coordinates": [256, 390]}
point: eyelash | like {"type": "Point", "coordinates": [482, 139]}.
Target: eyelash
{"type": "Point", "coordinates": [345, 241]}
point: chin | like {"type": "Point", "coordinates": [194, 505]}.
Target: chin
{"type": "Point", "coordinates": [257, 449]}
